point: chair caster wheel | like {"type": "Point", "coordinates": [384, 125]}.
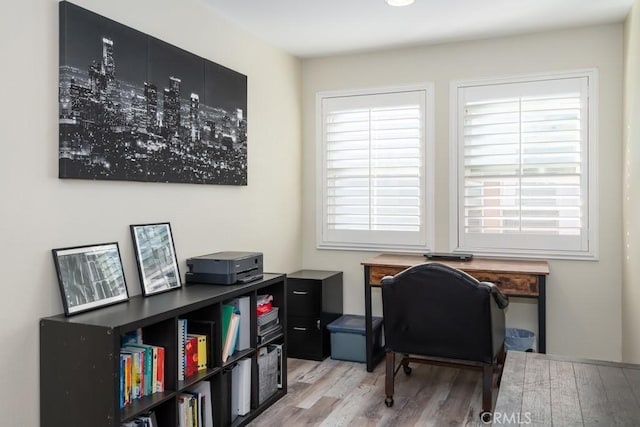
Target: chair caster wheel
{"type": "Point", "coordinates": [389, 402]}
{"type": "Point", "coordinates": [486, 417]}
{"type": "Point", "coordinates": [407, 370]}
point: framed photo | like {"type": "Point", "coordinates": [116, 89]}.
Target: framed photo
{"type": "Point", "coordinates": [90, 277]}
{"type": "Point", "coordinates": [156, 257]}
{"type": "Point", "coordinates": [194, 132]}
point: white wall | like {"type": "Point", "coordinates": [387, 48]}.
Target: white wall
{"type": "Point", "coordinates": [631, 186]}
{"type": "Point", "coordinates": [583, 301]}
{"type": "Point", "coordinates": [39, 212]}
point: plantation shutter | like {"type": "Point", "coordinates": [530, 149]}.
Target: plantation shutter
{"type": "Point", "coordinates": [523, 165]}
{"type": "Point", "coordinates": [374, 170]}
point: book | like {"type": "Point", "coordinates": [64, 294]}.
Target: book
{"type": "Point", "coordinates": [160, 372]}
{"type": "Point", "coordinates": [191, 355]}
{"type": "Point", "coordinates": [207, 328]}
{"type": "Point", "coordinates": [202, 350]}
{"type": "Point", "coordinates": [203, 390]}
{"type": "Point", "coordinates": [147, 377]}
{"type": "Point", "coordinates": [137, 371]}
{"type": "Point", "coordinates": [127, 378]}
{"type": "Point", "coordinates": [154, 370]}
{"type": "Point", "coordinates": [243, 307]}
{"type": "Point", "coordinates": [123, 366]}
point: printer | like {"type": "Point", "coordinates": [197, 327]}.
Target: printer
{"type": "Point", "coordinates": [225, 268]}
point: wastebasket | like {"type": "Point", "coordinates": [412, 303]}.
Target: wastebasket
{"type": "Point", "coordinates": [520, 340]}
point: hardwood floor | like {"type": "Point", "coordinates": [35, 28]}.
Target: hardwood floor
{"type": "Point", "coordinates": [337, 393]}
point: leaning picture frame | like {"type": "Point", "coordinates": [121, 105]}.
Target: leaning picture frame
{"type": "Point", "coordinates": [90, 276]}
{"type": "Point", "coordinates": [156, 257]}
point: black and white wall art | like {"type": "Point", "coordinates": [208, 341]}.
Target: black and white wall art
{"type": "Point", "coordinates": [156, 257]}
{"type": "Point", "coordinates": [90, 277]}
{"type": "Point", "coordinates": [132, 107]}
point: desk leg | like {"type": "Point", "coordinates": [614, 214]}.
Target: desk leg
{"type": "Point", "coordinates": [542, 315]}
{"type": "Point", "coordinates": [368, 318]}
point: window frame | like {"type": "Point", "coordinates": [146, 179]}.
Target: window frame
{"type": "Point", "coordinates": [457, 157]}
{"type": "Point", "coordinates": [428, 181]}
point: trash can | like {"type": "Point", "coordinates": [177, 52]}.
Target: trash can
{"type": "Point", "coordinates": [520, 340]}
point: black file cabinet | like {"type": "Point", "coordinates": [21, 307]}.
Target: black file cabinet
{"type": "Point", "coordinates": [314, 299]}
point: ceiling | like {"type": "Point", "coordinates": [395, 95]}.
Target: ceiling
{"type": "Point", "coordinates": [310, 28]}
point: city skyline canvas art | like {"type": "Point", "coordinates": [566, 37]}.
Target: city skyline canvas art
{"type": "Point", "coordinates": [135, 108]}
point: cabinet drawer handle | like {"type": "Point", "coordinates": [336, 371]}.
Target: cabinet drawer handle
{"type": "Point", "coordinates": [300, 293]}
{"type": "Point", "coordinates": [295, 328]}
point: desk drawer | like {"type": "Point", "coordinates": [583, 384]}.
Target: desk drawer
{"type": "Point", "coordinates": [304, 298]}
{"type": "Point", "coordinates": [510, 283]}
{"type": "Point", "coordinates": [305, 338]}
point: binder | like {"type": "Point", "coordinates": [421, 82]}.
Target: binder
{"type": "Point", "coordinates": [182, 340]}
{"type": "Point", "coordinates": [241, 388]}
{"type": "Point", "coordinates": [227, 350]}
{"type": "Point", "coordinates": [243, 306]}
{"type": "Point", "coordinates": [207, 328]}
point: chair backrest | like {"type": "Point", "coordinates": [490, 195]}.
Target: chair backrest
{"type": "Point", "coordinates": [436, 310]}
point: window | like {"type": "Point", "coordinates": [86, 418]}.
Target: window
{"type": "Point", "coordinates": [375, 169]}
{"type": "Point", "coordinates": [524, 173]}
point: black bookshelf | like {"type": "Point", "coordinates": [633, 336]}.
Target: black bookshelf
{"type": "Point", "coordinates": [79, 356]}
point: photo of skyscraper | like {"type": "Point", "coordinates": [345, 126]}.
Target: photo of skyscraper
{"type": "Point", "coordinates": [135, 108]}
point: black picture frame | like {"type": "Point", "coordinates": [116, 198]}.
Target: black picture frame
{"type": "Point", "coordinates": [135, 108]}
{"type": "Point", "coordinates": [156, 257]}
{"type": "Point", "coordinates": [90, 276]}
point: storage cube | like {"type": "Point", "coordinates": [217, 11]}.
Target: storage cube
{"type": "Point", "coordinates": [348, 337]}
{"type": "Point", "coordinates": [267, 372]}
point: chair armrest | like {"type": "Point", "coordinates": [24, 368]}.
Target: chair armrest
{"type": "Point", "coordinates": [386, 279]}
{"type": "Point", "coordinates": [501, 299]}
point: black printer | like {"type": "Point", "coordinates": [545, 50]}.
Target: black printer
{"type": "Point", "coordinates": [225, 268]}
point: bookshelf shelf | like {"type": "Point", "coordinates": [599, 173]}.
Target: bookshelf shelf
{"type": "Point", "coordinates": [80, 362]}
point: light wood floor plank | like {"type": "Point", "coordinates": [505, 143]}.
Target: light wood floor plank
{"type": "Point", "coordinates": [335, 393]}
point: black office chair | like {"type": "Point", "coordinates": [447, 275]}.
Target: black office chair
{"type": "Point", "coordinates": [437, 314]}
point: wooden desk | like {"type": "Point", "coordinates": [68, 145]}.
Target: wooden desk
{"type": "Point", "coordinates": [524, 279]}
{"type": "Point", "coordinates": [547, 390]}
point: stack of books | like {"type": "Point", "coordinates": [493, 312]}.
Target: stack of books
{"type": "Point", "coordinates": [141, 368]}
{"type": "Point", "coordinates": [269, 325]}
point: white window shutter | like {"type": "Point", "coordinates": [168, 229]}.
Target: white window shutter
{"type": "Point", "coordinates": [523, 166]}
{"type": "Point", "coordinates": [374, 170]}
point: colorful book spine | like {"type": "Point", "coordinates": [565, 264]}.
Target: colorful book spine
{"type": "Point", "coordinates": [160, 372]}
{"type": "Point", "coordinates": [123, 366]}
{"type": "Point", "coordinates": [191, 352]}
{"type": "Point", "coordinates": [136, 373]}
{"type": "Point", "coordinates": [147, 368]}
